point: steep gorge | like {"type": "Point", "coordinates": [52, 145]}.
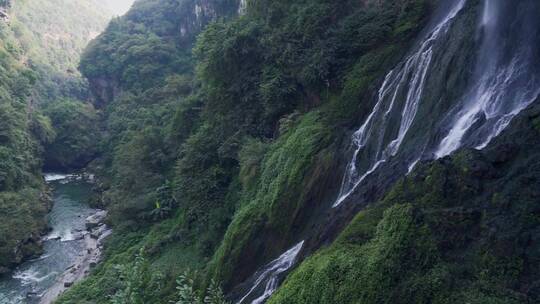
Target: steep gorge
{"type": "Point", "coordinates": [40, 49]}
{"type": "Point", "coordinates": [244, 174]}
{"type": "Point", "coordinates": [354, 152]}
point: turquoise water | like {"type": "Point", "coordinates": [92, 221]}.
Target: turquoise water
{"type": "Point", "coordinates": [61, 247]}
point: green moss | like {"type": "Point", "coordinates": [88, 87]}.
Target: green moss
{"type": "Point", "coordinates": [368, 272]}
{"type": "Point", "coordinates": [256, 141]}
{"type": "Point", "coordinates": [464, 237]}
{"type": "Point", "coordinates": [274, 201]}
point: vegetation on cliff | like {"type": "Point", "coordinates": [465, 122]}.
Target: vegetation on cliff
{"type": "Point", "coordinates": [39, 48]}
{"type": "Point", "coordinates": [211, 154]}
{"type": "Point", "coordinates": [22, 134]}
{"type": "Point", "coordinates": [218, 133]}
{"type": "Point", "coordinates": [462, 229]}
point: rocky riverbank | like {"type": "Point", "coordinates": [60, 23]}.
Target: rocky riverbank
{"type": "Point", "coordinates": [31, 246]}
{"type": "Point", "coordinates": [94, 235]}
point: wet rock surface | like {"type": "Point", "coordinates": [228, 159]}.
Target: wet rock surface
{"type": "Point", "coordinates": [93, 237]}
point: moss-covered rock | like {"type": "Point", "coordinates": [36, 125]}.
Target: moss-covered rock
{"type": "Point", "coordinates": [461, 229]}
{"type": "Point", "coordinates": [292, 170]}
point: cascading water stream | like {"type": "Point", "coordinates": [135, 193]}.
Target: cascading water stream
{"type": "Point", "coordinates": [504, 80]}
{"type": "Point", "coordinates": [271, 273]}
{"type": "Point", "coordinates": [410, 77]}
{"type": "Point", "coordinates": [505, 83]}
{"type": "Point", "coordinates": [242, 7]}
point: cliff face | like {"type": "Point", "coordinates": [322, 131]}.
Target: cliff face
{"type": "Point", "coordinates": [463, 228]}
{"type": "Point", "coordinates": [253, 146]}
{"type": "Point", "coordinates": [450, 230]}
{"type": "Point", "coordinates": [230, 142]}
{"type": "Point", "coordinates": [173, 25]}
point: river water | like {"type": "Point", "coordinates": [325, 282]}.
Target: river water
{"type": "Point", "coordinates": [62, 245]}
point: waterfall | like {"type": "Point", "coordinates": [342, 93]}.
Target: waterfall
{"type": "Point", "coordinates": [242, 8]}
{"type": "Point", "coordinates": [270, 274]}
{"type": "Point", "coordinates": [410, 79]}
{"type": "Point", "coordinates": [505, 81]}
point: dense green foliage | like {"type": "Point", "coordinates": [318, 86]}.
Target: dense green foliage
{"type": "Point", "coordinates": [39, 49]}
{"type": "Point", "coordinates": [234, 138]}
{"type": "Point", "coordinates": [52, 34]}
{"type": "Point", "coordinates": [460, 230]}
{"type": "Point", "coordinates": [77, 140]}
{"type": "Point", "coordinates": [299, 161]}
{"type": "Point", "coordinates": [218, 140]}
{"type": "Point", "coordinates": [21, 135]}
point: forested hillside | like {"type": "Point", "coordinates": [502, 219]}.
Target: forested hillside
{"type": "Point", "coordinates": [22, 133]}
{"type": "Point", "coordinates": [40, 44]}
{"type": "Point", "coordinates": [309, 151]}
{"type": "Point", "coordinates": [52, 35]}
{"type": "Point", "coordinates": [213, 152]}
{"type": "Point", "coordinates": [228, 127]}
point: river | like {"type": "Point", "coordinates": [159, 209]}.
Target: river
{"type": "Point", "coordinates": [62, 246]}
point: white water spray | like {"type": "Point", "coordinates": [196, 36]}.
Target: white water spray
{"type": "Point", "coordinates": [242, 8]}
{"type": "Point", "coordinates": [503, 88]}
{"type": "Point", "coordinates": [410, 78]}
{"type": "Point", "coordinates": [271, 273]}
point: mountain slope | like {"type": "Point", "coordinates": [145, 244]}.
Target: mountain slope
{"type": "Point", "coordinates": [461, 229]}
{"type": "Point", "coordinates": [21, 134]}
{"type": "Point", "coordinates": [253, 122]}
{"type": "Point", "coordinates": [229, 160]}
{"type": "Point", "coordinates": [32, 78]}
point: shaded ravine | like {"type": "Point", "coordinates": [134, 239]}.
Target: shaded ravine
{"type": "Point", "coordinates": [394, 138]}
{"type": "Point", "coordinates": [64, 247]}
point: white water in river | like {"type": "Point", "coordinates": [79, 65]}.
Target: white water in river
{"type": "Point", "coordinates": [61, 248]}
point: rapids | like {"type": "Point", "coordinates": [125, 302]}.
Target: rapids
{"type": "Point", "coordinates": [62, 246]}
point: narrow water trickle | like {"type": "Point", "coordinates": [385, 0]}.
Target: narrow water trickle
{"type": "Point", "coordinates": [270, 274]}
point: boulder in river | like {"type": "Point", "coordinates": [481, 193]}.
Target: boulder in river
{"type": "Point", "coordinates": [95, 220]}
